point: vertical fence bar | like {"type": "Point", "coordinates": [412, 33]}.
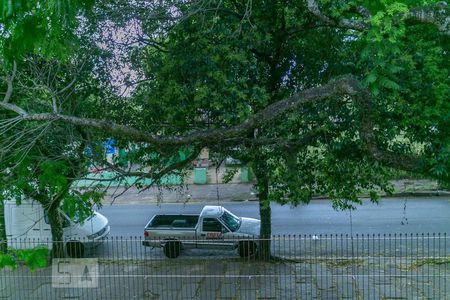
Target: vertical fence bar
{"type": "Point", "coordinates": [359, 256]}
{"type": "Point", "coordinates": [433, 276]}
{"type": "Point", "coordinates": [410, 259]}
{"type": "Point", "coordinates": [403, 279]}
{"type": "Point", "coordinates": [354, 258]}
{"type": "Point", "coordinates": [394, 266]}
{"type": "Point", "coordinates": [424, 256]}
{"type": "Point", "coordinates": [345, 256]}
{"type": "Point", "coordinates": [291, 270]}
{"type": "Point", "coordinates": [429, 262]}
{"type": "Point", "coordinates": [446, 255]}
{"type": "Point", "coordinates": [384, 258]}
{"type": "Point", "coordinates": [340, 257]}
{"type": "Point", "coordinates": [374, 273]}
{"type": "Point", "coordinates": [29, 243]}
{"type": "Point", "coordinates": [422, 261]}
{"type": "Point", "coordinates": [114, 273]}
{"type": "Point", "coordinates": [116, 270]}
{"type": "Point", "coordinates": [390, 263]}
{"type": "Point", "coordinates": [439, 265]}
{"type": "Point", "coordinates": [304, 254]}
{"type": "Point", "coordinates": [415, 257]}
{"type": "Point", "coordinates": [316, 262]}
{"type": "Point", "coordinates": [298, 267]}
{"type": "Point", "coordinates": [365, 260]}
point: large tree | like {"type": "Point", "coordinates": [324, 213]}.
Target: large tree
{"type": "Point", "coordinates": [42, 162]}
{"type": "Point", "coordinates": [318, 97]}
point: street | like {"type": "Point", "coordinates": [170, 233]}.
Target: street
{"type": "Point", "coordinates": [421, 215]}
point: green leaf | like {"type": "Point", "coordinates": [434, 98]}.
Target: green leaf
{"type": "Point", "coordinates": [33, 258]}
{"type": "Point", "coordinates": [371, 78]}
{"type": "Point", "coordinates": [229, 174]}
{"type": "Point", "coordinates": [6, 260]}
{"type": "Point", "coordinates": [387, 83]}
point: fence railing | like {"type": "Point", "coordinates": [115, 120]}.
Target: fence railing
{"type": "Point", "coordinates": [388, 266]}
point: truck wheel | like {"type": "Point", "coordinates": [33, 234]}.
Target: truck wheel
{"type": "Point", "coordinates": [246, 248]}
{"type": "Point", "coordinates": [172, 249]}
{"type": "Point", "coordinates": [75, 249]}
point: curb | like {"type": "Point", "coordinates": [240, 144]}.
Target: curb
{"type": "Point", "coordinates": [234, 200]}
{"type": "Point", "coordinates": [395, 195]}
{"type": "Point", "coordinates": [421, 194]}
{"type": "Point", "coordinates": [401, 194]}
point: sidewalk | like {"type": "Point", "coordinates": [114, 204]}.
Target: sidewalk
{"type": "Point", "coordinates": [193, 193]}
{"type": "Point", "coordinates": [219, 193]}
{"type": "Point", "coordinates": [237, 279]}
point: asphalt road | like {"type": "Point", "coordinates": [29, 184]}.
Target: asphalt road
{"type": "Point", "coordinates": [420, 215]}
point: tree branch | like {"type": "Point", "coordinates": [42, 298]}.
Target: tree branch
{"type": "Point", "coordinates": [222, 136]}
{"type": "Point", "coordinates": [343, 86]}
{"type": "Point", "coordinates": [11, 107]}
{"type": "Point", "coordinates": [436, 14]}
{"type": "Point", "coordinates": [9, 82]}
{"type": "Point", "coordinates": [154, 175]}
{"type": "Point", "coordinates": [67, 86]}
{"type": "Point", "coordinates": [406, 162]}
{"type": "Point", "coordinates": [54, 103]}
{"type": "Point", "coordinates": [359, 25]}
{"type": "Point", "coordinates": [290, 144]}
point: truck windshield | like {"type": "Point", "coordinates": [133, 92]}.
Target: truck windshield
{"type": "Point", "coordinates": [230, 220]}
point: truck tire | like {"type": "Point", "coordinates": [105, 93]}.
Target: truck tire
{"type": "Point", "coordinates": [246, 248]}
{"type": "Point", "coordinates": [172, 249]}
{"type": "Point", "coordinates": [75, 249]}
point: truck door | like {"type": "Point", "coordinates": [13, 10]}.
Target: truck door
{"type": "Point", "coordinates": [213, 235]}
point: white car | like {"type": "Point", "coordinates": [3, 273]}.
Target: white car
{"type": "Point", "coordinates": [27, 227]}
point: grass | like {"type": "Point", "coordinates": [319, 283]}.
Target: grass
{"type": "Point", "coordinates": [428, 262]}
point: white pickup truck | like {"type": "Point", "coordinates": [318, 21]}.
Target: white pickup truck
{"type": "Point", "coordinates": [214, 228]}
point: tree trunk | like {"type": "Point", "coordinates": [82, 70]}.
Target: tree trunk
{"type": "Point", "coordinates": [3, 241]}
{"type": "Point", "coordinates": [266, 225]}
{"type": "Point", "coordinates": [56, 223]}
{"type": "Point", "coordinates": [54, 218]}
{"type": "Point", "coordinates": [51, 208]}
{"type": "Point", "coordinates": [262, 184]}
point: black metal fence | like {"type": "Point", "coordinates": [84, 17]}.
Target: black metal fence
{"type": "Point", "coordinates": [394, 266]}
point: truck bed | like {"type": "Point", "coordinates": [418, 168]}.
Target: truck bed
{"type": "Point", "coordinates": [173, 221]}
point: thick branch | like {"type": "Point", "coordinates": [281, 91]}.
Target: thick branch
{"type": "Point", "coordinates": [157, 175]}
{"type": "Point", "coordinates": [436, 14]}
{"type": "Point", "coordinates": [14, 108]}
{"type": "Point", "coordinates": [358, 25]}
{"type": "Point", "coordinates": [291, 144]}
{"type": "Point", "coordinates": [222, 136]}
{"type": "Point", "coordinates": [54, 104]}
{"type": "Point", "coordinates": [9, 82]}
{"type": "Point", "coordinates": [344, 86]}
{"type": "Point", "coordinates": [388, 158]}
